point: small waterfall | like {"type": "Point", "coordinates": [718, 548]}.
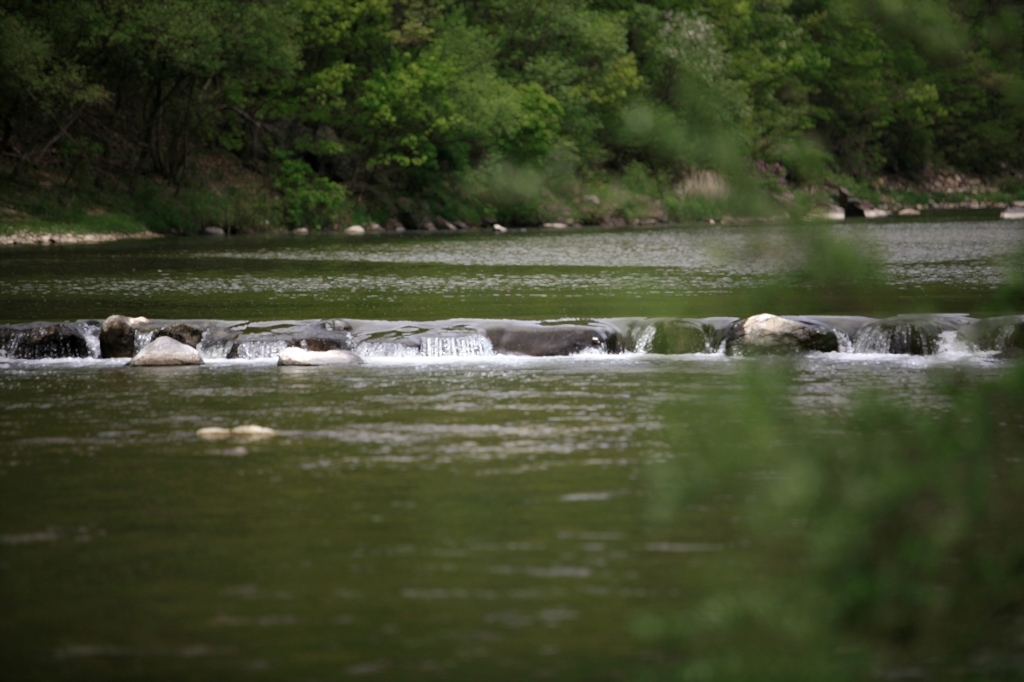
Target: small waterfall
{"type": "Point", "coordinates": [458, 346]}
{"type": "Point", "coordinates": [216, 346]}
{"type": "Point", "coordinates": [142, 339]}
{"type": "Point", "coordinates": [385, 349]}
{"type": "Point", "coordinates": [845, 344]}
{"type": "Point", "coordinates": [901, 338]}
{"type": "Point", "coordinates": [950, 342]}
{"type": "Point", "coordinates": [257, 350]}
{"type": "Point", "coordinates": [36, 341]}
{"type": "Point", "coordinates": [644, 341]}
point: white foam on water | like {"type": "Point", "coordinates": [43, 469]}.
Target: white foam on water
{"type": "Point", "coordinates": [645, 340]}
{"type": "Point", "coordinates": [464, 345]}
{"type": "Point", "coordinates": [381, 349]}
{"type": "Point", "coordinates": [259, 350]}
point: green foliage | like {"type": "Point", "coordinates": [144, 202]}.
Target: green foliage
{"type": "Point", "coordinates": [404, 99]}
{"type": "Point", "coordinates": [891, 547]}
{"type": "Point", "coordinates": [310, 200]}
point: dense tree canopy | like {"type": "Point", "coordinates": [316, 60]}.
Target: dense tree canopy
{"type": "Point", "coordinates": [390, 98]}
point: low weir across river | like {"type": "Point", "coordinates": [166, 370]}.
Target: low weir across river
{"type": "Point", "coordinates": [564, 455]}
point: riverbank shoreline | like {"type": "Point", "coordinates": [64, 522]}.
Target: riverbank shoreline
{"type": "Point", "coordinates": [25, 238]}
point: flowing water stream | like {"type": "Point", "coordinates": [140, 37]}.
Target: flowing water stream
{"type": "Point", "coordinates": [443, 510]}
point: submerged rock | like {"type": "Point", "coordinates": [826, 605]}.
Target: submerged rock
{"type": "Point", "coordinates": [188, 334]}
{"type": "Point", "coordinates": [166, 352]}
{"type": "Point", "coordinates": [768, 334]}
{"type": "Point", "coordinates": [253, 431]}
{"type": "Point", "coordinates": [906, 334]}
{"type": "Point", "coordinates": [297, 357]}
{"type": "Point", "coordinates": [213, 432]}
{"type": "Point", "coordinates": [1004, 334]}
{"type": "Point", "coordinates": [525, 338]}
{"type": "Point", "coordinates": [39, 341]}
{"type": "Point", "coordinates": [677, 336]}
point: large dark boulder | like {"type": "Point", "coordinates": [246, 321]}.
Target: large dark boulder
{"type": "Point", "coordinates": [907, 334]}
{"type": "Point", "coordinates": [117, 337]}
{"type": "Point", "coordinates": [539, 340]}
{"type": "Point", "coordinates": [768, 334]}
{"type": "Point", "coordinates": [39, 341]}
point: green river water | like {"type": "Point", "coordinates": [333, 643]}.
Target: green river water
{"type": "Point", "coordinates": [460, 518]}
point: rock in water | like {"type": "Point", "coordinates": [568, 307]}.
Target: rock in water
{"type": "Point", "coordinates": [213, 432]}
{"type": "Point", "coordinates": [767, 334]}
{"type": "Point", "coordinates": [117, 337]}
{"type": "Point", "coordinates": [188, 334]}
{"type": "Point", "coordinates": [166, 352]}
{"type": "Point", "coordinates": [253, 431]}
{"type": "Point", "coordinates": [538, 340]}
{"type": "Point", "coordinates": [298, 357]}
{"type": "Point", "coordinates": [906, 334]}
{"type": "Point", "coordinates": [35, 342]}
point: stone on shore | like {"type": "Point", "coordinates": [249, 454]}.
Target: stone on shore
{"type": "Point", "coordinates": [298, 357]}
{"type": "Point", "coordinates": [830, 212]}
{"type": "Point", "coordinates": [909, 212]}
{"type": "Point", "coordinates": [1013, 213]}
{"type": "Point", "coordinates": [214, 231]}
{"type": "Point", "coordinates": [355, 230]}
{"type": "Point", "coordinates": [768, 334]}
{"type": "Point", "coordinates": [164, 351]}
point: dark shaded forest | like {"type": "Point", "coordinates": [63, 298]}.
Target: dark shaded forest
{"type": "Point", "coordinates": [378, 107]}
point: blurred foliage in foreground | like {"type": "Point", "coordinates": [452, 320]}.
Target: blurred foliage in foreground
{"type": "Point", "coordinates": [464, 108]}
{"type": "Point", "coordinates": [884, 543]}
{"type": "Point", "coordinates": [854, 537]}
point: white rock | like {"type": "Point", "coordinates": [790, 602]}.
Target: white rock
{"type": "Point", "coordinates": [253, 431]}
{"type": "Point", "coordinates": [876, 213]}
{"type": "Point", "coordinates": [555, 226]}
{"type": "Point", "coordinates": [164, 351]}
{"type": "Point", "coordinates": [500, 229]}
{"type": "Point", "coordinates": [300, 231]}
{"type": "Point", "coordinates": [293, 356]}
{"type": "Point", "coordinates": [831, 212]}
{"type": "Point", "coordinates": [355, 230]}
{"type": "Point", "coordinates": [1014, 213]}
{"type": "Point", "coordinates": [1019, 203]}
{"type": "Point", "coordinates": [909, 212]}
{"type": "Point", "coordinates": [213, 231]}
{"type": "Point", "coordinates": [374, 227]}
{"type": "Point", "coordinates": [213, 432]}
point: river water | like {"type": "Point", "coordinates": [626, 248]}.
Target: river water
{"type": "Point", "coordinates": [447, 517]}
